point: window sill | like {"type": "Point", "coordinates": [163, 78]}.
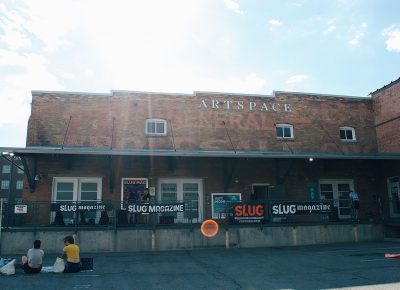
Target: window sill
{"type": "Point", "coordinates": [155, 135]}
{"type": "Point", "coordinates": [284, 139]}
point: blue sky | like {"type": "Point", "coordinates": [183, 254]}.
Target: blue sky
{"type": "Point", "coordinates": [343, 47]}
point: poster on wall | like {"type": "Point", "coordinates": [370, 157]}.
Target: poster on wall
{"type": "Point", "coordinates": [221, 203]}
{"type": "Point", "coordinates": [133, 189]}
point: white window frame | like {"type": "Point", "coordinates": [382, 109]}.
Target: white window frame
{"type": "Point", "coordinates": [76, 196]}
{"type": "Point", "coordinates": [76, 191]}
{"type": "Point", "coordinates": [19, 183]}
{"type": "Point", "coordinates": [6, 171]}
{"type": "Point", "coordinates": [283, 126]}
{"type": "Point", "coordinates": [346, 128]}
{"type": "Point", "coordinates": [179, 182]}
{"type": "Point", "coordinates": [5, 184]}
{"type": "Point", "coordinates": [156, 121]}
{"type": "Point", "coordinates": [338, 201]}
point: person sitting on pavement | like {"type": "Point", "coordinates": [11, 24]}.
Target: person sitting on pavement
{"type": "Point", "coordinates": [71, 253]}
{"type": "Point", "coordinates": [32, 262]}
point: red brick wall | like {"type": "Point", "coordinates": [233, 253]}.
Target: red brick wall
{"type": "Point", "coordinates": [316, 121]}
{"type": "Point", "coordinates": [387, 106]}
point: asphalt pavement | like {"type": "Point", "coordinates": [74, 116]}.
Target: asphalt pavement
{"type": "Point", "coordinates": [334, 266]}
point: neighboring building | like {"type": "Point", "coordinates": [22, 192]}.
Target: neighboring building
{"type": "Point", "coordinates": [11, 178]}
{"type": "Point", "coordinates": [85, 147]}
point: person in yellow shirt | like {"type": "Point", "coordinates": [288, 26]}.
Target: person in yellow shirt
{"type": "Point", "coordinates": [71, 254]}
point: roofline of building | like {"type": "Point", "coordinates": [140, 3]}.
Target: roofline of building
{"type": "Point", "coordinates": [386, 86]}
{"type": "Point", "coordinates": [196, 93]}
{"type": "Point", "coordinates": [37, 92]}
{"type": "Point", "coordinates": [321, 95]}
{"type": "Point", "coordinates": [193, 153]}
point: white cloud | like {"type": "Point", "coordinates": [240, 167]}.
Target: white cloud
{"type": "Point", "coordinates": [392, 34]}
{"type": "Point", "coordinates": [331, 28]}
{"type": "Point", "coordinates": [234, 6]}
{"type": "Point", "coordinates": [275, 22]}
{"type": "Point", "coordinates": [355, 41]}
{"type": "Point", "coordinates": [358, 33]}
{"type": "Point", "coordinates": [15, 88]}
{"type": "Point", "coordinates": [88, 73]}
{"type": "Point", "coordinates": [68, 76]}
{"type": "Point", "coordinates": [12, 33]}
{"type": "Point", "coordinates": [297, 79]}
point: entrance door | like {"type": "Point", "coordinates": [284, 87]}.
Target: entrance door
{"type": "Point", "coordinates": [394, 196]}
{"type": "Point", "coordinates": [338, 191]}
{"type": "Point", "coordinates": [259, 192]}
{"type": "Point", "coordinates": [187, 190]}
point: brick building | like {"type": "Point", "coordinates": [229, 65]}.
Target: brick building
{"type": "Point", "coordinates": [192, 147]}
{"type": "Point", "coordinates": [11, 178]}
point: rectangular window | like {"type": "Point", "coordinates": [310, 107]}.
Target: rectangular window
{"type": "Point", "coordinates": [6, 169]}
{"type": "Point", "coordinates": [20, 171]}
{"type": "Point", "coordinates": [77, 189]}
{"type": "Point", "coordinates": [20, 184]}
{"type": "Point", "coordinates": [156, 127]}
{"type": "Point", "coordinates": [284, 131]}
{"type": "Point", "coordinates": [88, 191]}
{"type": "Point", "coordinates": [347, 134]}
{"type": "Point", "coordinates": [5, 184]}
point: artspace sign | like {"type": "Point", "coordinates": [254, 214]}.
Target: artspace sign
{"type": "Point", "coordinates": [241, 106]}
{"type": "Point", "coordinates": [249, 213]}
{"type": "Point", "coordinates": [300, 208]}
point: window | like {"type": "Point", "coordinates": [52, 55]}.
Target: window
{"type": "Point", "coordinates": [20, 171]}
{"type": "Point", "coordinates": [347, 134]}
{"type": "Point", "coordinates": [156, 127]}
{"type": "Point", "coordinates": [5, 184]}
{"type": "Point", "coordinates": [284, 131]}
{"type": "Point", "coordinates": [6, 169]}
{"type": "Point", "coordinates": [85, 189]}
{"type": "Point", "coordinates": [77, 189]}
{"type": "Point", "coordinates": [20, 184]}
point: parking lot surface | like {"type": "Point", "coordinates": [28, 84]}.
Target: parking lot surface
{"type": "Point", "coordinates": [335, 266]}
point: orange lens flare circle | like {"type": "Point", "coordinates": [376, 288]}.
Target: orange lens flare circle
{"type": "Point", "coordinates": [209, 228]}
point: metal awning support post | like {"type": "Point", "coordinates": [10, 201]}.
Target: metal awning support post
{"type": "Point", "coordinates": [111, 172]}
{"type": "Point", "coordinates": [30, 176]}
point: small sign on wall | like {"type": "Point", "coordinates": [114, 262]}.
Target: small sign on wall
{"type": "Point", "coordinates": [152, 191]}
{"type": "Point", "coordinates": [21, 208]}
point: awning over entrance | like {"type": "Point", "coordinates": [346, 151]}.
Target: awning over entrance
{"type": "Point", "coordinates": [30, 151]}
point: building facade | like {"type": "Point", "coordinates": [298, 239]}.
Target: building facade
{"type": "Point", "coordinates": [203, 148]}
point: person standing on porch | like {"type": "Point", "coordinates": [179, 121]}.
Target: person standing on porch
{"type": "Point", "coordinates": [355, 204]}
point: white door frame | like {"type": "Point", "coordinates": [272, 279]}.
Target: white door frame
{"type": "Point", "coordinates": [390, 198]}
{"type": "Point", "coordinates": [179, 195]}
{"type": "Point", "coordinates": [335, 192]}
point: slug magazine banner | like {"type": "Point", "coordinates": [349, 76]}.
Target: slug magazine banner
{"type": "Point", "coordinates": [133, 189]}
{"type": "Point", "coordinates": [300, 208]}
{"type": "Point", "coordinates": [81, 206]}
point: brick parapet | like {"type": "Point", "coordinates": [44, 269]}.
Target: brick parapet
{"type": "Point", "coordinates": [208, 121]}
